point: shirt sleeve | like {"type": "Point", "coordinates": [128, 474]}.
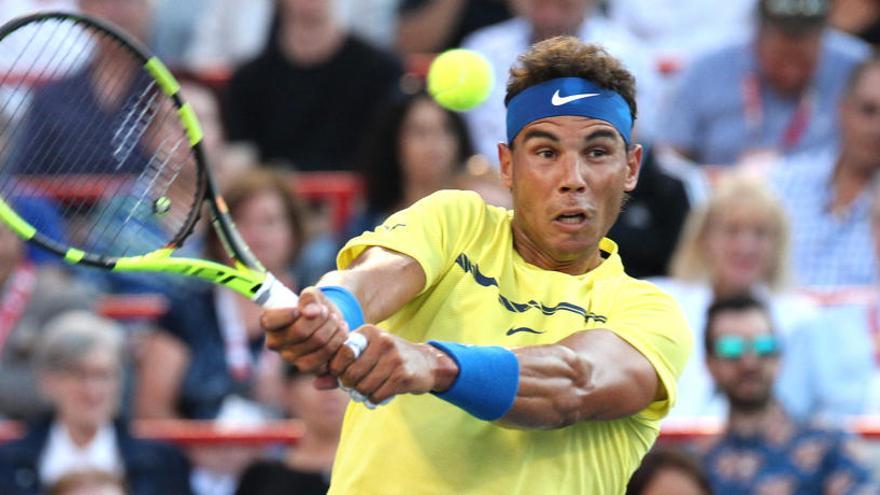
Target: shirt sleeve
{"type": "Point", "coordinates": [653, 323]}
{"type": "Point", "coordinates": [432, 231]}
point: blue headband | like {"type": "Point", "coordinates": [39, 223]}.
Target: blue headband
{"type": "Point", "coordinates": [568, 96]}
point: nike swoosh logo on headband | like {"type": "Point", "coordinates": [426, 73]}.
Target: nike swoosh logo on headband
{"type": "Point", "coordinates": [562, 100]}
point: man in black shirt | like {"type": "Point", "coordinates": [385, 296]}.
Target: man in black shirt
{"type": "Point", "coordinates": [308, 96]}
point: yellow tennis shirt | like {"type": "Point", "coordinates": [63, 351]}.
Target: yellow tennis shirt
{"type": "Point", "coordinates": [480, 291]}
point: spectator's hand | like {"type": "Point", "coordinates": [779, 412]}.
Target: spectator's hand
{"type": "Point", "coordinates": [307, 336]}
{"type": "Point", "coordinates": [391, 366]}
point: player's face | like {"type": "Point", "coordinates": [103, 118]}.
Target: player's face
{"type": "Point", "coordinates": [264, 226]}
{"type": "Point", "coordinates": [860, 120]}
{"type": "Point", "coordinates": [787, 62]}
{"type": "Point", "coordinates": [428, 145]}
{"type": "Point", "coordinates": [86, 394]}
{"type": "Point", "coordinates": [568, 176]}
{"type": "Point", "coordinates": [748, 380]}
{"type": "Point", "coordinates": [739, 244]}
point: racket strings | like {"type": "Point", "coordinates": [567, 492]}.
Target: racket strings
{"type": "Point", "coordinates": [48, 160]}
{"type": "Point", "coordinates": [136, 174]}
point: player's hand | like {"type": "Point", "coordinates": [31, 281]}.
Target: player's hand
{"type": "Point", "coordinates": [391, 366]}
{"type": "Point", "coordinates": [306, 336]}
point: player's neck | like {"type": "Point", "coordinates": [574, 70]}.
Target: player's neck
{"type": "Point", "coordinates": [532, 253]}
{"type": "Point", "coordinates": [311, 44]}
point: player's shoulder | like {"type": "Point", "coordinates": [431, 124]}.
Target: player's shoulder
{"type": "Point", "coordinates": [466, 208]}
{"type": "Point", "coordinates": [637, 296]}
{"type": "Point", "coordinates": [640, 288]}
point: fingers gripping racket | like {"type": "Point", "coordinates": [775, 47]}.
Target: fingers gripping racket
{"type": "Point", "coordinates": [95, 126]}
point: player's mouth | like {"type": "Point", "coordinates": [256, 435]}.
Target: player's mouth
{"type": "Point", "coordinates": [571, 219]}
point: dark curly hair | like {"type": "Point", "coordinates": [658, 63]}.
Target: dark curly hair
{"type": "Point", "coordinates": [567, 56]}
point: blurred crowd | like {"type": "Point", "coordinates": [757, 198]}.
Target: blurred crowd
{"type": "Point", "coordinates": [757, 209]}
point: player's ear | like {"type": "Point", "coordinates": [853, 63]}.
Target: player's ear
{"type": "Point", "coordinates": [505, 159]}
{"type": "Point", "coordinates": [633, 166]}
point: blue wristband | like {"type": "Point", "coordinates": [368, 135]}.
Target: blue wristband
{"type": "Point", "coordinates": [346, 302]}
{"type": "Point", "coordinates": [487, 382]}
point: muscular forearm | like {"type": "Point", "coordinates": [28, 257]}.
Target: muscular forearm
{"type": "Point", "coordinates": [383, 281]}
{"type": "Point", "coordinates": [589, 375]}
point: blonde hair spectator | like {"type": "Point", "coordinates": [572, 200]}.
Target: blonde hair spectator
{"type": "Point", "coordinates": [735, 194]}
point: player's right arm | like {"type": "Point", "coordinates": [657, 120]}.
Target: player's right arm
{"type": "Point", "coordinates": [309, 335]}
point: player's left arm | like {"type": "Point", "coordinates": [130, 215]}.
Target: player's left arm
{"type": "Point", "coordinates": [591, 374]}
{"type": "Point", "coordinates": [594, 374]}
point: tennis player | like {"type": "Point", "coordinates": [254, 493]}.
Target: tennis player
{"type": "Point", "coordinates": [521, 357]}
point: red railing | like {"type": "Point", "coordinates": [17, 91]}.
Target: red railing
{"type": "Point", "coordinates": [189, 432]}
{"type": "Point", "coordinates": [340, 190]}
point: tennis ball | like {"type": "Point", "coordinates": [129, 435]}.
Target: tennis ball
{"type": "Point", "coordinates": [162, 206]}
{"type": "Point", "coordinates": [460, 79]}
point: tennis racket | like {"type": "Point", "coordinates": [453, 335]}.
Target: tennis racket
{"type": "Point", "coordinates": [94, 125]}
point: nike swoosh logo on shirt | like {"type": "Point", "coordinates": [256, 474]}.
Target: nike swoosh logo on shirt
{"type": "Point", "coordinates": [522, 329]}
{"type": "Point", "coordinates": [562, 100]}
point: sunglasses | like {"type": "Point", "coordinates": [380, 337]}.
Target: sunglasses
{"type": "Point", "coordinates": [734, 346]}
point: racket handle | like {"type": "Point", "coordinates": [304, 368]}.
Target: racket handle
{"type": "Point", "coordinates": [357, 343]}
{"type": "Point", "coordinates": [273, 294]}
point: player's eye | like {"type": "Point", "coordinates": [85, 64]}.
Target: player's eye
{"type": "Point", "coordinates": [546, 153]}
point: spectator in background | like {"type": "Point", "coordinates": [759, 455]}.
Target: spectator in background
{"type": "Point", "coordinates": [479, 176]}
{"type": "Point", "coordinates": [431, 26]}
{"type": "Point", "coordinates": [88, 483]}
{"type": "Point", "coordinates": [831, 368]}
{"type": "Point", "coordinates": [651, 220]}
{"type": "Point", "coordinates": [668, 471]}
{"type": "Point", "coordinates": [207, 359]}
{"type": "Point", "coordinates": [676, 31]}
{"type": "Point", "coordinates": [539, 20]}
{"type": "Point", "coordinates": [414, 149]}
{"type": "Point", "coordinates": [308, 97]}
{"type": "Point", "coordinates": [762, 450]}
{"type": "Point", "coordinates": [827, 193]}
{"type": "Point", "coordinates": [173, 28]}
{"type": "Point", "coordinates": [80, 360]}
{"type": "Point", "coordinates": [211, 346]}
{"type": "Point", "coordinates": [736, 242]}
{"type": "Point", "coordinates": [29, 297]}
{"type": "Point", "coordinates": [52, 132]}
{"type": "Point", "coordinates": [229, 33]}
{"type": "Point", "coordinates": [304, 468]}
{"type": "Point", "coordinates": [772, 94]}
{"type": "Point", "coordinates": [858, 17]}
